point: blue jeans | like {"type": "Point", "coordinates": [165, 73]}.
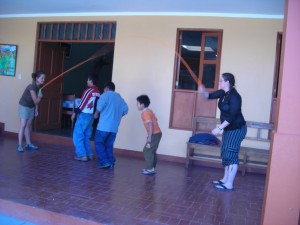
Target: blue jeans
{"type": "Point", "coordinates": [82, 134]}
{"type": "Point", "coordinates": [104, 145]}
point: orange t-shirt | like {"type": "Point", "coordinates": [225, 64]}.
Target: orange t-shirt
{"type": "Point", "coordinates": [148, 115]}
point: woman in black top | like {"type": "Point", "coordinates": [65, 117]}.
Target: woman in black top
{"type": "Point", "coordinates": [233, 124]}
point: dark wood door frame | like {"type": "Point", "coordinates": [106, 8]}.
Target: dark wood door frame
{"type": "Point", "coordinates": [276, 79]}
{"type": "Point", "coordinates": [63, 32]}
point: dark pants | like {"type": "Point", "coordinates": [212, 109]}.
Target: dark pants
{"type": "Point", "coordinates": [150, 152]}
{"type": "Point", "coordinates": [231, 143]}
{"type": "Point", "coordinates": [104, 145]}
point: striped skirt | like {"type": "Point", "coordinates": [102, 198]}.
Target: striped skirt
{"type": "Point", "coordinates": [231, 143]}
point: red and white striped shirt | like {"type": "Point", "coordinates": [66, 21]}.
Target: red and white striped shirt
{"type": "Point", "coordinates": [88, 100]}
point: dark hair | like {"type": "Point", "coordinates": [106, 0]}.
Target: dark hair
{"type": "Point", "coordinates": [37, 74]}
{"type": "Point", "coordinates": [229, 77]}
{"type": "Point", "coordinates": [93, 78]}
{"type": "Point", "coordinates": [143, 99]}
{"type": "Point", "coordinates": [110, 85]}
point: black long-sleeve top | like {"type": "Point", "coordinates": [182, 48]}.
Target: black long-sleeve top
{"type": "Point", "coordinates": [230, 105]}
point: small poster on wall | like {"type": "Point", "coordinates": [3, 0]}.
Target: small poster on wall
{"type": "Point", "coordinates": [8, 59]}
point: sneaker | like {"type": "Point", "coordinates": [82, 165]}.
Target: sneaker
{"type": "Point", "coordinates": [148, 169]}
{"type": "Point", "coordinates": [111, 167]}
{"type": "Point", "coordinates": [90, 157]}
{"type": "Point", "coordinates": [20, 148]}
{"type": "Point", "coordinates": [82, 158]}
{"type": "Point", "coordinates": [105, 166]}
{"type": "Point", "coordinates": [31, 147]}
{"type": "Point", "coordinates": [149, 172]}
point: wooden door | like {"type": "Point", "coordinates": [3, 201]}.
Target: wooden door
{"type": "Point", "coordinates": [50, 59]}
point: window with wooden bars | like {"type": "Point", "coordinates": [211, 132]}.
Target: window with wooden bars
{"type": "Point", "coordinates": [77, 31]}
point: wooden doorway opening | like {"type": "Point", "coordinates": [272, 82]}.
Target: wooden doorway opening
{"type": "Point", "coordinates": [59, 47]}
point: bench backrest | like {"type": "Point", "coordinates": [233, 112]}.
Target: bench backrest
{"type": "Point", "coordinates": [257, 131]}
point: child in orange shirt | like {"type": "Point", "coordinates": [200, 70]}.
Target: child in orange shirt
{"type": "Point", "coordinates": [154, 134]}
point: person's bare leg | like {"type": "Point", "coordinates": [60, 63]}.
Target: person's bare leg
{"type": "Point", "coordinates": [225, 177]}
{"type": "Point", "coordinates": [21, 130]}
{"type": "Point", "coordinates": [226, 174]}
{"type": "Point", "coordinates": [232, 173]}
{"type": "Point", "coordinates": [232, 170]}
{"type": "Point", "coordinates": [27, 131]}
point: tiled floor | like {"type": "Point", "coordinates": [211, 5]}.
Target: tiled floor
{"type": "Point", "coordinates": [50, 179]}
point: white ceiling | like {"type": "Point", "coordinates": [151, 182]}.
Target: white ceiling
{"type": "Point", "coordinates": [228, 8]}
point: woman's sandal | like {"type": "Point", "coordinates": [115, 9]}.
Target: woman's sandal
{"type": "Point", "coordinates": [219, 182]}
{"type": "Point", "coordinates": [223, 188]}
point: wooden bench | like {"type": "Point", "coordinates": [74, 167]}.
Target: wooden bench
{"type": "Point", "coordinates": [250, 157]}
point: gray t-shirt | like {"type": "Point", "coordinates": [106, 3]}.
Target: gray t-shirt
{"type": "Point", "coordinates": [26, 99]}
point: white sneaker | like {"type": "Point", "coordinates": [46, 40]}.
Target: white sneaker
{"type": "Point", "coordinates": [20, 148]}
{"type": "Point", "coordinates": [31, 147]}
{"type": "Point", "coordinates": [149, 172]}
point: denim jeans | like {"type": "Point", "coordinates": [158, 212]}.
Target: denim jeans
{"type": "Point", "coordinates": [82, 134]}
{"type": "Point", "coordinates": [104, 144]}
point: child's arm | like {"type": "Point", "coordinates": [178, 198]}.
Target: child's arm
{"type": "Point", "coordinates": [149, 138]}
{"type": "Point", "coordinates": [96, 114]}
{"type": "Point", "coordinates": [73, 116]}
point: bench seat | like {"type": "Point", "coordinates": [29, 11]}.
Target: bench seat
{"type": "Point", "coordinates": [249, 157]}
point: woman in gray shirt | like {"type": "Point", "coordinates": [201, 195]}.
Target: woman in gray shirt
{"type": "Point", "coordinates": [28, 109]}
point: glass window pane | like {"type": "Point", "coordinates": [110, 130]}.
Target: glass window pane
{"type": "Point", "coordinates": [82, 31]}
{"type": "Point", "coordinates": [75, 31]}
{"type": "Point", "coordinates": [48, 31]}
{"type": "Point", "coordinates": [106, 32]}
{"type": "Point", "coordinates": [68, 31]}
{"type": "Point", "coordinates": [211, 48]}
{"type": "Point", "coordinates": [209, 75]}
{"type": "Point", "coordinates": [98, 31]}
{"type": "Point", "coordinates": [54, 32]}
{"type": "Point", "coordinates": [42, 29]}
{"type": "Point", "coordinates": [113, 31]}
{"type": "Point", "coordinates": [190, 52]}
{"type": "Point", "coordinates": [90, 31]}
{"type": "Point", "coordinates": [61, 31]}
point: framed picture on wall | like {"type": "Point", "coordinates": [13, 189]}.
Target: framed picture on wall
{"type": "Point", "coordinates": [8, 59]}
